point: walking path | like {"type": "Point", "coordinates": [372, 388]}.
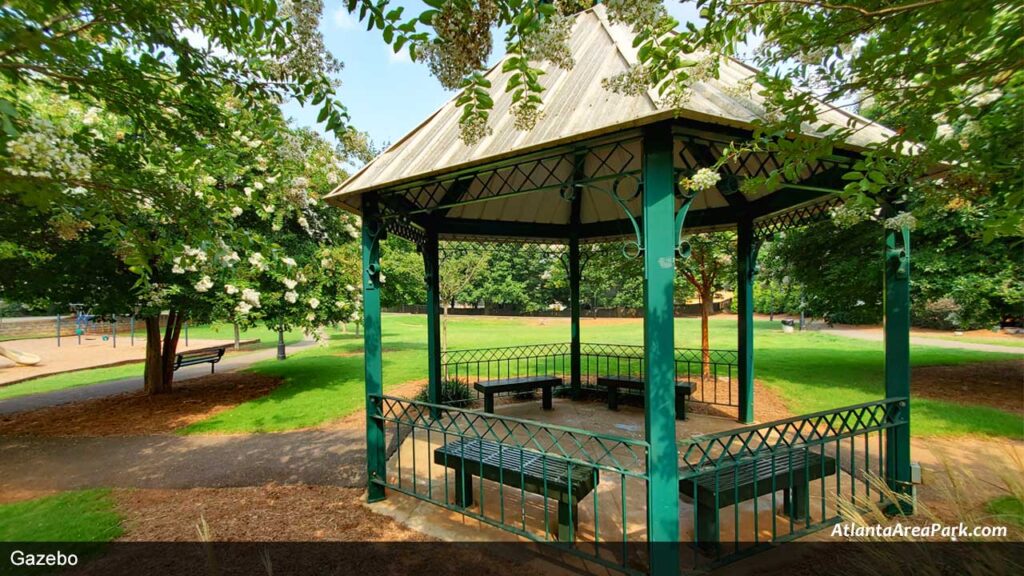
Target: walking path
{"type": "Point", "coordinates": [232, 362]}
{"type": "Point", "coordinates": [322, 457]}
{"type": "Point", "coordinates": [876, 335]}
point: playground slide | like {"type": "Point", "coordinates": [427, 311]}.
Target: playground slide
{"type": "Point", "coordinates": [23, 358]}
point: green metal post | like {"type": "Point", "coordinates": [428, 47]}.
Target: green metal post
{"type": "Point", "coordinates": [745, 264]}
{"type": "Point", "coordinates": [432, 274]}
{"type": "Point", "coordinates": [897, 355]}
{"type": "Point", "coordinates": [659, 243]}
{"type": "Point", "coordinates": [374, 373]}
{"type": "Point", "coordinates": [575, 276]}
{"type": "Point", "coordinates": [574, 312]}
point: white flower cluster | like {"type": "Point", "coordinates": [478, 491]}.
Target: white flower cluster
{"type": "Point", "coordinates": [47, 151]}
{"type": "Point", "coordinates": [463, 40]}
{"type": "Point", "coordinates": [473, 128]}
{"type": "Point", "coordinates": [291, 296]}
{"type": "Point", "coordinates": [231, 259]}
{"type": "Point", "coordinates": [204, 284]}
{"type": "Point", "coordinates": [702, 179]}
{"type": "Point", "coordinates": [636, 13]}
{"type": "Point", "coordinates": [250, 299]}
{"type": "Point", "coordinates": [288, 261]}
{"type": "Point", "coordinates": [551, 42]}
{"type": "Point", "coordinates": [189, 261]}
{"type": "Point", "coordinates": [257, 261]}
{"type": "Point", "coordinates": [901, 220]}
{"type": "Point", "coordinates": [845, 216]}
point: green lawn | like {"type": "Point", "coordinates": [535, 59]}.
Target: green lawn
{"type": "Point", "coordinates": [225, 331]}
{"type": "Point", "coordinates": [811, 371]}
{"type": "Point", "coordinates": [71, 380]}
{"type": "Point", "coordinates": [79, 516]}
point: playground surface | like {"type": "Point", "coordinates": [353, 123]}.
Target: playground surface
{"type": "Point", "coordinates": [91, 353]}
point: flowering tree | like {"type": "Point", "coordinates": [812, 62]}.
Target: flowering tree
{"type": "Point", "coordinates": [146, 139]}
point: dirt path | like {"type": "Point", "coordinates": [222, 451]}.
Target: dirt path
{"type": "Point", "coordinates": [874, 334]}
{"type": "Point", "coordinates": [320, 457]}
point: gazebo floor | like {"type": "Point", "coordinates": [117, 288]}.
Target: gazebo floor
{"type": "Point", "coordinates": [759, 520]}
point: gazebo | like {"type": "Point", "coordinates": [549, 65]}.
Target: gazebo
{"type": "Point", "coordinates": [602, 168]}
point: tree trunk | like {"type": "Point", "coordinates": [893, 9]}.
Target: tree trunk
{"type": "Point", "coordinates": [444, 329]}
{"type": "Point", "coordinates": [153, 382]}
{"type": "Point", "coordinates": [706, 302]}
{"type": "Point", "coordinates": [238, 338]}
{"type": "Point", "coordinates": [160, 355]}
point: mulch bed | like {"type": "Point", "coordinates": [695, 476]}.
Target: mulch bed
{"type": "Point", "coordinates": [138, 413]}
{"type": "Point", "coordinates": [996, 384]}
{"type": "Point", "coordinates": [270, 513]}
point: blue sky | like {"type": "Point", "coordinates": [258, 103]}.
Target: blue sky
{"type": "Point", "coordinates": [386, 94]}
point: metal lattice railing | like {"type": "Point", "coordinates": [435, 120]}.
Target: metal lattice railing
{"type": "Point", "coordinates": [736, 480]}
{"type": "Point", "coordinates": [536, 480]}
{"type": "Point", "coordinates": [713, 372]}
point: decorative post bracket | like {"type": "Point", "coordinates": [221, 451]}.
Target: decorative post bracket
{"type": "Point", "coordinates": [901, 254]}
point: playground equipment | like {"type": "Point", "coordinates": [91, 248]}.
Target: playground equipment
{"type": "Point", "coordinates": [21, 358]}
{"type": "Point", "coordinates": [85, 322]}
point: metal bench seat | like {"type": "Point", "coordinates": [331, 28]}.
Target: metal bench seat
{"type": "Point", "coordinates": [199, 357]}
{"type": "Point", "coordinates": [788, 470]}
{"type": "Point", "coordinates": [518, 384]}
{"type": "Point", "coordinates": [684, 389]}
{"type": "Point", "coordinates": [521, 468]}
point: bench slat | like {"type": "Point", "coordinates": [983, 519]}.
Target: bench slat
{"type": "Point", "coordinates": [516, 466]}
{"type": "Point", "coordinates": [737, 484]}
{"type": "Point", "coordinates": [515, 384]}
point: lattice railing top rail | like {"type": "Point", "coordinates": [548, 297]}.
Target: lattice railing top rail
{"type": "Point", "coordinates": [795, 218]}
{"type": "Point", "coordinates": [614, 453]}
{"type": "Point", "coordinates": [717, 356]}
{"type": "Point", "coordinates": [504, 353]}
{"type": "Point", "coordinates": [700, 453]}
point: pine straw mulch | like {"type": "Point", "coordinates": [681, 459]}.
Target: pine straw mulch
{"type": "Point", "coordinates": [996, 384]}
{"type": "Point", "coordinates": [257, 520]}
{"type": "Point", "coordinates": [137, 413]}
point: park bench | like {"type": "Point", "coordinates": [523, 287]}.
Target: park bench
{"type": "Point", "coordinates": [788, 470]}
{"type": "Point", "coordinates": [520, 384]}
{"type": "Point", "coordinates": [211, 355]}
{"type": "Point", "coordinates": [523, 469]}
{"type": "Point", "coordinates": [612, 383]}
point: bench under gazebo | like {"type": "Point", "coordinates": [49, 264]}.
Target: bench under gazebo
{"type": "Point", "coordinates": [602, 168]}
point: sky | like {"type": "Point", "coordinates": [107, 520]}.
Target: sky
{"type": "Point", "coordinates": [387, 95]}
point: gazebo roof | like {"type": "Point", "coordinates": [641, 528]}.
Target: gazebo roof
{"type": "Point", "coordinates": [587, 134]}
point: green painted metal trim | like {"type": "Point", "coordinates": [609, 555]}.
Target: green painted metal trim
{"type": "Point", "coordinates": [575, 278]}
{"type": "Point", "coordinates": [745, 267]}
{"type": "Point", "coordinates": [659, 353]}
{"type": "Point", "coordinates": [432, 275]}
{"type": "Point", "coordinates": [897, 355]}
{"type": "Point", "coordinates": [373, 229]}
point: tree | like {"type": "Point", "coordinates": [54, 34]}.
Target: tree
{"type": "Point", "coordinates": [711, 257]}
{"type": "Point", "coordinates": [958, 281]}
{"type": "Point", "coordinates": [460, 269]}
{"type": "Point", "coordinates": [946, 75]}
{"type": "Point", "coordinates": [146, 138]}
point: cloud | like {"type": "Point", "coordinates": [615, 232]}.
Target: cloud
{"type": "Point", "coordinates": [344, 20]}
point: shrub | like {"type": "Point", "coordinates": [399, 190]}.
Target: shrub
{"type": "Point", "coordinates": [454, 392]}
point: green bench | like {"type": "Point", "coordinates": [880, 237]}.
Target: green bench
{"type": "Point", "coordinates": [613, 383]}
{"type": "Point", "coordinates": [520, 384]}
{"type": "Point", "coordinates": [212, 355]}
{"type": "Point", "coordinates": [788, 470]}
{"type": "Point", "coordinates": [520, 468]}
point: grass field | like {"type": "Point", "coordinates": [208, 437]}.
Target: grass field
{"type": "Point", "coordinates": [79, 516]}
{"type": "Point", "coordinates": [71, 380]}
{"type": "Point", "coordinates": [811, 371]}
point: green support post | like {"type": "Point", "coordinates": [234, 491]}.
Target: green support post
{"type": "Point", "coordinates": [746, 263]}
{"type": "Point", "coordinates": [374, 373]}
{"type": "Point", "coordinates": [432, 274]}
{"type": "Point", "coordinates": [659, 249]}
{"type": "Point", "coordinates": [897, 356]}
{"type": "Point", "coordinates": [574, 313]}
